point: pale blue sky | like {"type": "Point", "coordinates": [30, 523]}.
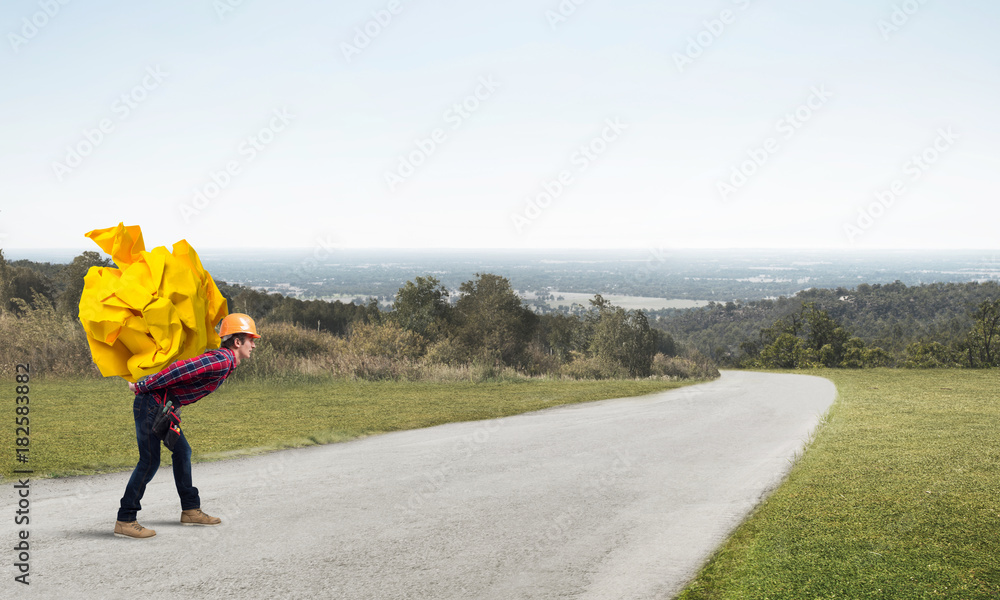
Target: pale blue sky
{"type": "Point", "coordinates": [664, 180]}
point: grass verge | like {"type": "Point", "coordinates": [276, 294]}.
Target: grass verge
{"type": "Point", "coordinates": [83, 426]}
{"type": "Point", "coordinates": [896, 498]}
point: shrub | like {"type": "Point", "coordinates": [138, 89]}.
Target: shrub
{"type": "Point", "coordinates": [375, 368]}
{"type": "Point", "coordinates": [385, 340]}
{"type": "Point", "coordinates": [288, 340]}
{"type": "Point", "coordinates": [483, 371]}
{"type": "Point", "coordinates": [623, 338]}
{"type": "Point", "coordinates": [540, 362]}
{"type": "Point", "coordinates": [446, 352]}
{"type": "Point", "coordinates": [592, 368]}
{"type": "Point", "coordinates": [930, 355]}
{"type": "Point", "coordinates": [697, 366]}
{"type": "Point", "coordinates": [857, 356]}
{"type": "Point", "coordinates": [786, 352]}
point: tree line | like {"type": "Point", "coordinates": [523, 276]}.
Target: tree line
{"type": "Point", "coordinates": [485, 322]}
{"type": "Point", "coordinates": [929, 325]}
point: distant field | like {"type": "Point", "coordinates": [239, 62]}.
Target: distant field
{"type": "Point", "coordinates": [648, 273]}
{"type": "Point", "coordinates": [82, 426]}
{"type": "Point", "coordinates": [626, 302]}
{"type": "Point", "coordinates": [570, 298]}
{"type": "Point", "coordinates": [897, 498]}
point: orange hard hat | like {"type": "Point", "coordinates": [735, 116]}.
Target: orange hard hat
{"type": "Point", "coordinates": [238, 323]}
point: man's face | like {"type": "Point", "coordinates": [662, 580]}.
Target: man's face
{"type": "Point", "coordinates": [244, 348]}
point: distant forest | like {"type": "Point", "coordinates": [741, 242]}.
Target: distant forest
{"type": "Point", "coordinates": [935, 324]}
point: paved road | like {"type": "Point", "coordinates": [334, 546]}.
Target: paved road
{"type": "Point", "coordinates": [615, 499]}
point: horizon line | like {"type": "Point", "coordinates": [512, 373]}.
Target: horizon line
{"type": "Point", "coordinates": [536, 249]}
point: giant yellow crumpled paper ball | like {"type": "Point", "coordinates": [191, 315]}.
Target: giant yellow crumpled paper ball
{"type": "Point", "coordinates": [155, 308]}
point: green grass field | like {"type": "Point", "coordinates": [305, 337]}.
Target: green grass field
{"type": "Point", "coordinates": [81, 426]}
{"type": "Point", "coordinates": [898, 497]}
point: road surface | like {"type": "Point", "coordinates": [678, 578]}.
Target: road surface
{"type": "Point", "coordinates": [614, 499]}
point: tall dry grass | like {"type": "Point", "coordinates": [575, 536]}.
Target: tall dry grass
{"type": "Point", "coordinates": [51, 343]}
{"type": "Point", "coordinates": [673, 368]}
{"type": "Point", "coordinates": [56, 345]}
{"type": "Point", "coordinates": [370, 352]}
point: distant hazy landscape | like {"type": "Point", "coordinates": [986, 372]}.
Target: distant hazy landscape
{"type": "Point", "coordinates": [651, 279]}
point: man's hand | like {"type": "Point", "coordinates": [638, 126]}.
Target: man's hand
{"type": "Point", "coordinates": [131, 387]}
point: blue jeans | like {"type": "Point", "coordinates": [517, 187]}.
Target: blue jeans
{"type": "Point", "coordinates": [144, 409]}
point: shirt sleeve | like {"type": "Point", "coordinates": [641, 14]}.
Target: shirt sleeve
{"type": "Point", "coordinates": [206, 366]}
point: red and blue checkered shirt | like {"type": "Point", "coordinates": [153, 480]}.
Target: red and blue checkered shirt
{"type": "Point", "coordinates": [191, 379]}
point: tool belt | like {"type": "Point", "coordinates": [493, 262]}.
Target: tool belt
{"type": "Point", "coordinates": [167, 423]}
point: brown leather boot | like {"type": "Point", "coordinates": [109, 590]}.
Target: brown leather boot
{"type": "Point", "coordinates": [132, 529]}
{"type": "Point", "coordinates": [196, 517]}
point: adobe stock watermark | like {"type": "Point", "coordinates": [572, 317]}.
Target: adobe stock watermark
{"type": "Point", "coordinates": [900, 16]}
{"type": "Point", "coordinates": [228, 508]}
{"type": "Point", "coordinates": [33, 25]}
{"type": "Point", "coordinates": [454, 116]}
{"type": "Point", "coordinates": [248, 150]}
{"type": "Point", "coordinates": [657, 257]}
{"type": "Point", "coordinates": [83, 490]}
{"type": "Point", "coordinates": [563, 11]}
{"type": "Point", "coordinates": [711, 31]}
{"type": "Point", "coordinates": [992, 265]}
{"type": "Point", "coordinates": [463, 449]}
{"type": "Point", "coordinates": [786, 128]}
{"type": "Point", "coordinates": [365, 33]}
{"type": "Point", "coordinates": [322, 251]}
{"type": "Point", "coordinates": [580, 161]}
{"type": "Point", "coordinates": [121, 110]}
{"type": "Point", "coordinates": [913, 169]}
{"type": "Point", "coordinates": [593, 488]}
{"type": "Point", "coordinates": [225, 7]}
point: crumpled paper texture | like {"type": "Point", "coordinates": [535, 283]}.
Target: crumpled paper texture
{"type": "Point", "coordinates": [157, 307]}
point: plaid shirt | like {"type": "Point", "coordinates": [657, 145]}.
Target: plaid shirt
{"type": "Point", "coordinates": [191, 379]}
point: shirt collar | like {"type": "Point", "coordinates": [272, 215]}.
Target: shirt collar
{"type": "Point", "coordinates": [232, 357]}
